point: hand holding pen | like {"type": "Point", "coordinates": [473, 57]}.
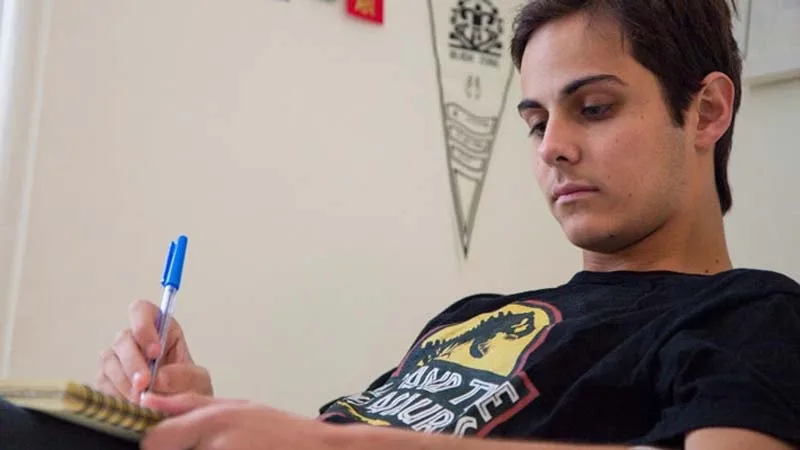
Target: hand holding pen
{"type": "Point", "coordinates": [171, 281]}
{"type": "Point", "coordinates": [126, 366]}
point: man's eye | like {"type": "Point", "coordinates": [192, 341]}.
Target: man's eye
{"type": "Point", "coordinates": [537, 129]}
{"type": "Point", "coordinates": [595, 111]}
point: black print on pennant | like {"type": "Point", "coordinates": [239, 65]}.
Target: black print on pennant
{"type": "Point", "coordinates": [477, 26]}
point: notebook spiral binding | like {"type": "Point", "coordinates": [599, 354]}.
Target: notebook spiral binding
{"type": "Point", "coordinates": [111, 410]}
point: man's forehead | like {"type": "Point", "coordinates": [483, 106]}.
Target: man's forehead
{"type": "Point", "coordinates": [583, 26]}
{"type": "Point", "coordinates": [573, 47]}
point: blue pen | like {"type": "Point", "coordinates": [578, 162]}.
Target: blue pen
{"type": "Point", "coordinates": [171, 280]}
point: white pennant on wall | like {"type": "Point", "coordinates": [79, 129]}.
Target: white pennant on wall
{"type": "Point", "coordinates": [471, 39]}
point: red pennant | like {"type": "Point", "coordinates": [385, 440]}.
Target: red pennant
{"type": "Point", "coordinates": [371, 10]}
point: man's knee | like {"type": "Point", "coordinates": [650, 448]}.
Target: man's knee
{"type": "Point", "coordinates": [23, 429]}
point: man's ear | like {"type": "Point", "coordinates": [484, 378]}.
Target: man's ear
{"type": "Point", "coordinates": [714, 109]}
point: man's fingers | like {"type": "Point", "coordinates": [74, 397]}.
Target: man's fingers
{"type": "Point", "coordinates": [178, 349]}
{"type": "Point", "coordinates": [178, 404]}
{"type": "Point", "coordinates": [182, 377]}
{"type": "Point", "coordinates": [111, 369]}
{"type": "Point", "coordinates": [129, 354]}
{"type": "Point", "coordinates": [144, 320]}
{"type": "Point", "coordinates": [106, 386]}
{"type": "Point", "coordinates": [142, 316]}
{"type": "Point", "coordinates": [140, 382]}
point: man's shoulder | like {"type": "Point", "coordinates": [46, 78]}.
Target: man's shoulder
{"type": "Point", "coordinates": [736, 287]}
{"type": "Point", "coordinates": [759, 283]}
{"type": "Point", "coordinates": [729, 299]}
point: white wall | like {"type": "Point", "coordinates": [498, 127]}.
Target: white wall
{"type": "Point", "coordinates": [302, 154]}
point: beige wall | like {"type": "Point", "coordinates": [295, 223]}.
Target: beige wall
{"type": "Point", "coordinates": [22, 33]}
{"type": "Point", "coordinates": [764, 225]}
{"type": "Point", "coordinates": [301, 152]}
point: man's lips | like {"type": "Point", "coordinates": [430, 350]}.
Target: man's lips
{"type": "Point", "coordinates": [573, 191]}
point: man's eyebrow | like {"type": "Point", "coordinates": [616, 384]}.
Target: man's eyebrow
{"type": "Point", "coordinates": [571, 88]}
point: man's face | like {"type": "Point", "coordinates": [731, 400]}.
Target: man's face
{"type": "Point", "coordinates": [611, 163]}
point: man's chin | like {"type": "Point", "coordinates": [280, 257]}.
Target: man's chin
{"type": "Point", "coordinates": [596, 240]}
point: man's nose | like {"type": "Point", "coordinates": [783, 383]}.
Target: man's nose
{"type": "Point", "coordinates": [559, 144]}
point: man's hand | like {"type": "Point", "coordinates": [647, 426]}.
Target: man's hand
{"type": "Point", "coordinates": [124, 367]}
{"type": "Point", "coordinates": [202, 423]}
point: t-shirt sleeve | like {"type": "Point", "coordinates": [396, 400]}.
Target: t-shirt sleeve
{"type": "Point", "coordinates": [738, 369]}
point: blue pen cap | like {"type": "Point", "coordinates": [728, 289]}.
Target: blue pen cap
{"type": "Point", "coordinates": [173, 267]}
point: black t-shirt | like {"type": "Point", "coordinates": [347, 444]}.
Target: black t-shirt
{"type": "Point", "coordinates": [620, 357]}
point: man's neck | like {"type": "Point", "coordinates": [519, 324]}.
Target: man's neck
{"type": "Point", "coordinates": [698, 247]}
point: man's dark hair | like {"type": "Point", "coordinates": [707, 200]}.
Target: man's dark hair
{"type": "Point", "coordinates": [680, 41]}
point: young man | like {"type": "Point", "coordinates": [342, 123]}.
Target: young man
{"type": "Point", "coordinates": [658, 341]}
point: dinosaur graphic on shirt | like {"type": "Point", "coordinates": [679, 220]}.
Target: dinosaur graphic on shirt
{"type": "Point", "coordinates": [510, 325]}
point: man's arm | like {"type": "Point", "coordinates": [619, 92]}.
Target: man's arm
{"type": "Point", "coordinates": [733, 439]}
{"type": "Point", "coordinates": [364, 438]}
{"type": "Point", "coordinates": [204, 423]}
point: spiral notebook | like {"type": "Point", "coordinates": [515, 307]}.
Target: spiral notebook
{"type": "Point", "coordinates": [82, 405]}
